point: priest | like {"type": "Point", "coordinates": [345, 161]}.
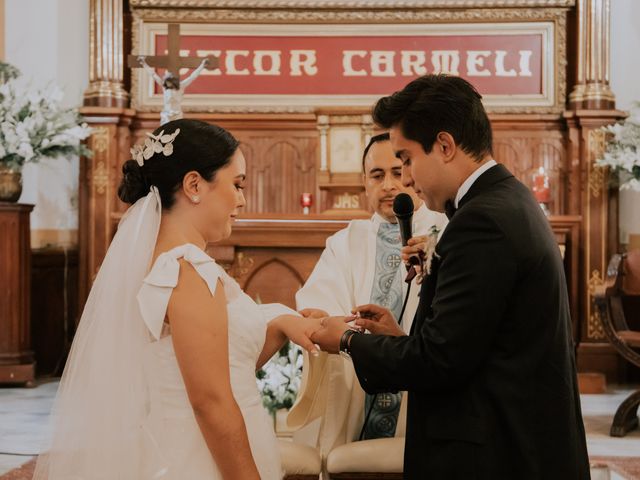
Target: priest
{"type": "Point", "coordinates": [361, 264]}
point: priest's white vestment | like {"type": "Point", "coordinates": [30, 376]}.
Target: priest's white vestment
{"type": "Point", "coordinates": [342, 280]}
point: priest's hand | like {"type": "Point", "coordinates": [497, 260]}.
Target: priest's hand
{"type": "Point", "coordinates": [378, 320]}
{"type": "Point", "coordinates": [313, 313]}
{"type": "Point", "coordinates": [328, 337]}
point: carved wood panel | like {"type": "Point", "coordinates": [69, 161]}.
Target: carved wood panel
{"type": "Point", "coordinates": [281, 152]}
{"type": "Point", "coordinates": [54, 306]}
{"type": "Point", "coordinates": [282, 158]}
{"type": "Point", "coordinates": [273, 275]}
{"type": "Point", "coordinates": [279, 169]}
{"type": "Point", "coordinates": [274, 281]}
{"type": "Point", "coordinates": [523, 153]}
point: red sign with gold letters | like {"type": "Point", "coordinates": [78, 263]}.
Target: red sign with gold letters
{"type": "Point", "coordinates": [510, 64]}
{"type": "Point", "coordinates": [372, 65]}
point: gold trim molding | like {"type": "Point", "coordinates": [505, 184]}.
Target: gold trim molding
{"type": "Point", "coordinates": [595, 330]}
{"type": "Point", "coordinates": [100, 178]}
{"type": "Point", "coordinates": [348, 16]}
{"type": "Point", "coordinates": [99, 141]}
{"type": "Point", "coordinates": [100, 136]}
{"type": "Point", "coordinates": [342, 4]}
{"type": "Point", "coordinates": [597, 174]}
{"type": "Point", "coordinates": [240, 266]}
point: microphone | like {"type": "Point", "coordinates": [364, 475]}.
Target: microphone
{"type": "Point", "coordinates": [403, 210]}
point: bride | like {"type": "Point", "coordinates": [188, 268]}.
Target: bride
{"type": "Point", "coordinates": [160, 381]}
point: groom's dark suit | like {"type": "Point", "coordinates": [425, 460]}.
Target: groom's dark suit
{"type": "Point", "coordinates": [489, 364]}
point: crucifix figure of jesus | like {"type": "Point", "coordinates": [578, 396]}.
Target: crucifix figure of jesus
{"type": "Point", "coordinates": [172, 86]}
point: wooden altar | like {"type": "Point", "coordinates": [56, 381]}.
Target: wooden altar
{"type": "Point", "coordinates": [271, 258]}
{"type": "Point", "coordinates": [312, 144]}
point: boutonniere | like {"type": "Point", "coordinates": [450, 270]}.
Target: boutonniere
{"type": "Point", "coordinates": [428, 248]}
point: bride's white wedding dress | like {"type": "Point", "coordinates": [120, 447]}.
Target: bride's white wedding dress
{"type": "Point", "coordinates": [174, 447]}
{"type": "Point", "coordinates": [122, 411]}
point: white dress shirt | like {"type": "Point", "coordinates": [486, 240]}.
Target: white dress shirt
{"type": "Point", "coordinates": [466, 185]}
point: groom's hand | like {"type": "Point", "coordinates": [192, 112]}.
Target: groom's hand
{"type": "Point", "coordinates": [328, 337]}
{"type": "Point", "coordinates": [378, 320]}
{"type": "Point", "coordinates": [415, 246]}
{"type": "Point", "coordinates": [299, 330]}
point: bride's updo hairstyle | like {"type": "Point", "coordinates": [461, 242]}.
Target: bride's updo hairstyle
{"type": "Point", "coordinates": [198, 146]}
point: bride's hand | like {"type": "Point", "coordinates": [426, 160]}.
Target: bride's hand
{"type": "Point", "coordinates": [300, 330]}
{"type": "Point", "coordinates": [313, 313]}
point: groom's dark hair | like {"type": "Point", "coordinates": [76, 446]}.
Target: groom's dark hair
{"type": "Point", "coordinates": [199, 146]}
{"type": "Point", "coordinates": [435, 103]}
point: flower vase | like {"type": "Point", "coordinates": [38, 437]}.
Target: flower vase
{"type": "Point", "coordinates": [10, 184]}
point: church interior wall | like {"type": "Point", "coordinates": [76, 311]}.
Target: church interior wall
{"type": "Point", "coordinates": [625, 70]}
{"type": "Point", "coordinates": [48, 41]}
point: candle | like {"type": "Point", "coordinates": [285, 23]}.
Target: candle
{"type": "Point", "coordinates": [541, 189]}
{"type": "Point", "coordinates": [306, 200]}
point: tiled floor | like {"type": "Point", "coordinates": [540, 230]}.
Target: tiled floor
{"type": "Point", "coordinates": [23, 422]}
{"type": "Point", "coordinates": [597, 412]}
{"type": "Point", "coordinates": [24, 411]}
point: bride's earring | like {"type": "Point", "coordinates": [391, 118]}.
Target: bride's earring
{"type": "Point", "coordinates": [195, 199]}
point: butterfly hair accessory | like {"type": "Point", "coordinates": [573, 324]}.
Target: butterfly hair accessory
{"type": "Point", "coordinates": [161, 143]}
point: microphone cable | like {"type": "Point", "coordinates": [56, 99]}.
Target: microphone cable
{"type": "Point", "coordinates": [375, 395]}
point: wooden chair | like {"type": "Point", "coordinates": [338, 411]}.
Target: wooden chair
{"type": "Point", "coordinates": [622, 284]}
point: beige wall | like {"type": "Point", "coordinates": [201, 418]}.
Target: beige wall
{"type": "Point", "coordinates": [625, 70]}
{"type": "Point", "coordinates": [2, 30]}
{"type": "Point", "coordinates": [48, 40]}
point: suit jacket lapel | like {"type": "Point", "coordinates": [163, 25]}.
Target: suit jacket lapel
{"type": "Point", "coordinates": [495, 174]}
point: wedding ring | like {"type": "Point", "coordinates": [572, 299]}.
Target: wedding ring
{"type": "Point", "coordinates": [322, 321]}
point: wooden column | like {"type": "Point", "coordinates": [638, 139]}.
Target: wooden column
{"type": "Point", "coordinates": [16, 358]}
{"type": "Point", "coordinates": [591, 106]}
{"type": "Point", "coordinates": [106, 55]}
{"type": "Point", "coordinates": [97, 189]}
{"type": "Point", "coordinates": [592, 90]}
{"type": "Point", "coordinates": [599, 204]}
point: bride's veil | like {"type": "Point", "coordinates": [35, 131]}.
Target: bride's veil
{"type": "Point", "coordinates": [98, 415]}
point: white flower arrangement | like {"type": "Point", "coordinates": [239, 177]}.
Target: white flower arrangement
{"type": "Point", "coordinates": [34, 125]}
{"type": "Point", "coordinates": [622, 153]}
{"type": "Point", "coordinates": [279, 380]}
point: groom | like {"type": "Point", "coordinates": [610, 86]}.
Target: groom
{"type": "Point", "coordinates": [489, 362]}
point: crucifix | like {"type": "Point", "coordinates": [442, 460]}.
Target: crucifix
{"type": "Point", "coordinates": [172, 86]}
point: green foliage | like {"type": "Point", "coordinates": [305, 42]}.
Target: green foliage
{"type": "Point", "coordinates": [279, 379]}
